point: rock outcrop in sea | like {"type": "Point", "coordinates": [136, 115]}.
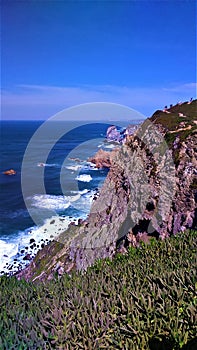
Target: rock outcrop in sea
{"type": "Point", "coordinates": [113, 134]}
{"type": "Point", "coordinates": [150, 191]}
{"type": "Point", "coordinates": [103, 159]}
{"type": "Point", "coordinates": [10, 172]}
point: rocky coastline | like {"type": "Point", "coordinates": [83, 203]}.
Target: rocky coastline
{"type": "Point", "coordinates": [149, 192]}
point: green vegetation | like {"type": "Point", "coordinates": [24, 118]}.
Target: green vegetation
{"type": "Point", "coordinates": [171, 121]}
{"type": "Point", "coordinates": [151, 293]}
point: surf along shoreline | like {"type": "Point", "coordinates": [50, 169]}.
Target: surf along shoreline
{"type": "Point", "coordinates": [17, 256]}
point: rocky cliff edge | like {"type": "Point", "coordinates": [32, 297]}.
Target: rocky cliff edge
{"type": "Point", "coordinates": [150, 191]}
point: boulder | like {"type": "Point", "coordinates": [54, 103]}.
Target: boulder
{"type": "Point", "coordinates": [27, 257]}
{"type": "Point", "coordinates": [9, 172]}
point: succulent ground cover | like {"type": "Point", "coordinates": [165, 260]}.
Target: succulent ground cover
{"type": "Point", "coordinates": [145, 299]}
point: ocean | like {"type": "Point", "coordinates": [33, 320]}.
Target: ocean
{"type": "Point", "coordinates": [32, 215]}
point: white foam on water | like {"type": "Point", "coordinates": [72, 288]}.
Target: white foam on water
{"type": "Point", "coordinates": [84, 191]}
{"type": "Point", "coordinates": [48, 165]}
{"type": "Point", "coordinates": [7, 251]}
{"type": "Point", "coordinates": [73, 198]}
{"type": "Point", "coordinates": [81, 192]}
{"type": "Point", "coordinates": [48, 201]}
{"type": "Point", "coordinates": [94, 168]}
{"type": "Point", "coordinates": [91, 166]}
{"type": "Point", "coordinates": [110, 146]}
{"type": "Point", "coordinates": [84, 203]}
{"type": "Point", "coordinates": [84, 178]}
{"type": "Point", "coordinates": [74, 167]}
{"type": "Point", "coordinates": [50, 230]}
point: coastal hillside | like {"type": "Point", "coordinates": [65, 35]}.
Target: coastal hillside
{"type": "Point", "coordinates": [134, 295]}
{"type": "Point", "coordinates": [150, 192]}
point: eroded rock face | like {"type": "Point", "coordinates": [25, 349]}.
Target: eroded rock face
{"type": "Point", "coordinates": [183, 208]}
{"type": "Point", "coordinates": [101, 159]}
{"type": "Point", "coordinates": [113, 134]}
{"type": "Point", "coordinates": [120, 136]}
{"type": "Point", "coordinates": [149, 192]}
{"type": "Point", "coordinates": [136, 198]}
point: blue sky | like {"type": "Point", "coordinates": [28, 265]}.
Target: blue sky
{"type": "Point", "coordinates": [56, 54]}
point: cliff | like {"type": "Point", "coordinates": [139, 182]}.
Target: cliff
{"type": "Point", "coordinates": [150, 191]}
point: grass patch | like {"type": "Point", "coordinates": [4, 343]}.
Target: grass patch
{"type": "Point", "coordinates": [172, 120]}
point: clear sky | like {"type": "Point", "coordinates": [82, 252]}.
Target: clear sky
{"type": "Point", "coordinates": [56, 54]}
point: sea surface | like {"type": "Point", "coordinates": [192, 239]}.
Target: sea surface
{"type": "Point", "coordinates": [30, 212]}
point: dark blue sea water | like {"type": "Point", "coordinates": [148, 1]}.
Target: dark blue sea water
{"type": "Point", "coordinates": [15, 136]}
{"type": "Point", "coordinates": [53, 180]}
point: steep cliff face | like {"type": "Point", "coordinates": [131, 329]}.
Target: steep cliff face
{"type": "Point", "coordinates": [149, 192]}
